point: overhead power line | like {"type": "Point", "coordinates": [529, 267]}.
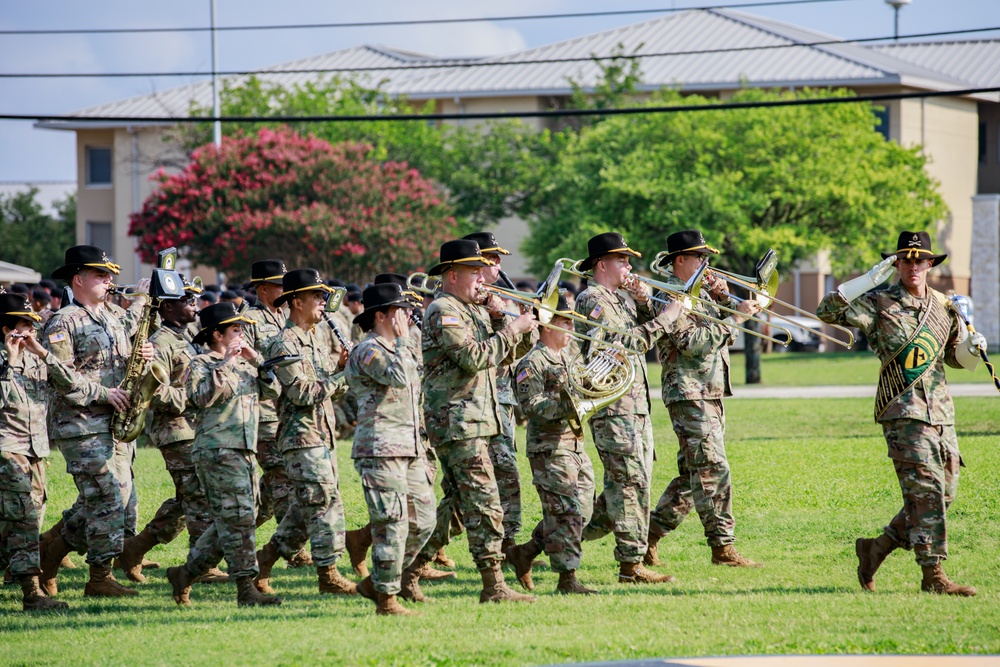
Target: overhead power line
{"type": "Point", "coordinates": [493, 115]}
{"type": "Point", "coordinates": [401, 22]}
{"type": "Point", "coordinates": [446, 65]}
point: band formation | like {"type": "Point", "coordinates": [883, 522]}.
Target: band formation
{"type": "Point", "coordinates": [433, 371]}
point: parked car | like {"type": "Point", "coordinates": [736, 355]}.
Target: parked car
{"type": "Point", "coordinates": [804, 336]}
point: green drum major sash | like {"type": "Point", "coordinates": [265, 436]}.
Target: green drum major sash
{"type": "Point", "coordinates": [915, 357]}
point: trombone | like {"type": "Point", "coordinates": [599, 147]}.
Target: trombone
{"type": "Point", "coordinates": [688, 292]}
{"type": "Point", "coordinates": [763, 286]}
{"type": "Point", "coordinates": [545, 301]}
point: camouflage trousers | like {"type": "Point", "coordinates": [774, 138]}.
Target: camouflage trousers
{"type": "Point", "coordinates": [625, 445]}
{"type": "Point", "coordinates": [468, 476]}
{"type": "Point", "coordinates": [102, 471]}
{"type": "Point", "coordinates": [229, 480]}
{"type": "Point", "coordinates": [703, 480]}
{"type": "Point", "coordinates": [189, 507]}
{"type": "Point", "coordinates": [399, 493]}
{"type": "Point", "coordinates": [565, 484]}
{"type": "Point", "coordinates": [20, 478]}
{"type": "Point", "coordinates": [448, 513]}
{"type": "Point", "coordinates": [276, 489]}
{"type": "Point", "coordinates": [316, 513]}
{"type": "Point", "coordinates": [927, 463]}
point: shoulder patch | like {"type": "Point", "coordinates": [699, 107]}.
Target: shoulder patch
{"type": "Point", "coordinates": [596, 312]}
{"type": "Point", "coordinates": [57, 337]}
{"type": "Point", "coordinates": [369, 356]}
{"type": "Point", "coordinates": [523, 375]}
{"type": "Point", "coordinates": [449, 320]}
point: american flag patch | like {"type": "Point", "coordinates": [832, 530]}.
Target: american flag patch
{"type": "Point", "coordinates": [522, 375]}
{"type": "Point", "coordinates": [596, 312]}
{"type": "Point", "coordinates": [57, 337]}
{"type": "Point", "coordinates": [368, 357]}
{"type": "Point", "coordinates": [449, 321]}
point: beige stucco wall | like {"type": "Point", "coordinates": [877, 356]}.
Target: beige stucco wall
{"type": "Point", "coordinates": [97, 203]}
{"type": "Point", "coordinates": [492, 104]}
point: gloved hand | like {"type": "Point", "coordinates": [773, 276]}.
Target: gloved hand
{"type": "Point", "coordinates": [852, 289]}
{"type": "Point", "coordinates": [977, 342]}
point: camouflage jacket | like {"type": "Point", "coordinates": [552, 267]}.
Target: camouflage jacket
{"type": "Point", "coordinates": [462, 348]}
{"type": "Point", "coordinates": [384, 376]}
{"type": "Point", "coordinates": [25, 396]}
{"type": "Point", "coordinates": [694, 355]}
{"type": "Point", "coordinates": [171, 417]}
{"type": "Point", "coordinates": [96, 345]}
{"type": "Point", "coordinates": [308, 388]}
{"type": "Point", "coordinates": [267, 326]}
{"type": "Point", "coordinates": [888, 318]}
{"type": "Point", "coordinates": [618, 310]}
{"type": "Point", "coordinates": [505, 373]}
{"type": "Point", "coordinates": [543, 390]}
{"type": "Point", "coordinates": [227, 396]}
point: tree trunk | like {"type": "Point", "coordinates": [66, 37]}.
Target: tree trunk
{"type": "Point", "coordinates": [751, 351]}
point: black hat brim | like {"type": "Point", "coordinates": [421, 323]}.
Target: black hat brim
{"type": "Point", "coordinates": [366, 317]}
{"type": "Point", "coordinates": [288, 296]}
{"type": "Point", "coordinates": [438, 269]}
{"type": "Point", "coordinates": [201, 338]}
{"type": "Point", "coordinates": [588, 264]}
{"type": "Point", "coordinates": [258, 281]}
{"type": "Point", "coordinates": [901, 254]}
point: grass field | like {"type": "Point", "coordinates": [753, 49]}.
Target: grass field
{"type": "Point", "coordinates": [810, 476]}
{"type": "Point", "coordinates": [791, 369]}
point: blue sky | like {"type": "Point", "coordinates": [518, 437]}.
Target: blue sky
{"type": "Point", "coordinates": [29, 154]}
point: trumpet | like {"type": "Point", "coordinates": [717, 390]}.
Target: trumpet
{"type": "Point", "coordinates": [126, 291]}
{"type": "Point", "coordinates": [687, 294]}
{"type": "Point", "coordinates": [763, 286]}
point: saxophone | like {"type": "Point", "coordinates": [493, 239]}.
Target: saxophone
{"type": "Point", "coordinates": [138, 384]}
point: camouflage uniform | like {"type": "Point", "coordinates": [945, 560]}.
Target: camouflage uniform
{"type": "Point", "coordinates": [462, 348]}
{"type": "Point", "coordinates": [275, 488]}
{"type": "Point", "coordinates": [97, 346]}
{"type": "Point", "coordinates": [24, 445]}
{"type": "Point", "coordinates": [503, 454]}
{"type": "Point", "coordinates": [919, 425]}
{"type": "Point", "coordinates": [694, 360]}
{"type": "Point", "coordinates": [388, 454]}
{"type": "Point", "coordinates": [560, 468]}
{"type": "Point", "coordinates": [623, 432]}
{"type": "Point", "coordinates": [307, 442]}
{"type": "Point", "coordinates": [227, 397]}
{"type": "Point", "coordinates": [171, 430]}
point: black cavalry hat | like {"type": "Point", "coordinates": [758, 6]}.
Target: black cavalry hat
{"type": "Point", "coordinates": [915, 245]}
{"type": "Point", "coordinates": [396, 279]}
{"type": "Point", "coordinates": [266, 271]}
{"type": "Point", "coordinates": [379, 297]}
{"type": "Point", "coordinates": [80, 256]}
{"type": "Point", "coordinates": [16, 306]}
{"type": "Point", "coordinates": [215, 317]}
{"type": "Point", "coordinates": [605, 244]}
{"type": "Point", "coordinates": [463, 252]}
{"type": "Point", "coordinates": [687, 242]}
{"type": "Point", "coordinates": [487, 243]}
{"type": "Point", "coordinates": [298, 281]}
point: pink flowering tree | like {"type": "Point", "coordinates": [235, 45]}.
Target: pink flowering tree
{"type": "Point", "coordinates": [279, 194]}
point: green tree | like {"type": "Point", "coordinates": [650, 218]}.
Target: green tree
{"type": "Point", "coordinates": [797, 179]}
{"type": "Point", "coordinates": [32, 237]}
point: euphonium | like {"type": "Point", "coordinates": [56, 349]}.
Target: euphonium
{"type": "Point", "coordinates": [138, 384]}
{"type": "Point", "coordinates": [600, 378]}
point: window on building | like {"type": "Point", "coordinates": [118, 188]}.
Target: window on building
{"type": "Point", "coordinates": [882, 126]}
{"type": "Point", "coordinates": [982, 143]}
{"type": "Point", "coordinates": [99, 234]}
{"type": "Point", "coordinates": [98, 166]}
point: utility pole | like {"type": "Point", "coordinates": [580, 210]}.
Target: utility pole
{"type": "Point", "coordinates": [896, 5]}
{"type": "Point", "coordinates": [217, 125]}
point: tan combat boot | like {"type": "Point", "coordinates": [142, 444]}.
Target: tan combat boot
{"type": "Point", "coordinates": [388, 605]}
{"type": "Point", "coordinates": [35, 598]}
{"type": "Point", "coordinates": [266, 558]}
{"type": "Point", "coordinates": [55, 550]}
{"type": "Point", "coordinates": [180, 581]}
{"type": "Point", "coordinates": [67, 563]}
{"type": "Point", "coordinates": [302, 559]}
{"type": "Point", "coordinates": [495, 589]}
{"type": "Point", "coordinates": [652, 557]}
{"type": "Point", "coordinates": [430, 574]}
{"type": "Point", "coordinates": [936, 581]}
{"type": "Point", "coordinates": [728, 555]}
{"type": "Point", "coordinates": [635, 573]}
{"type": "Point", "coordinates": [214, 576]}
{"type": "Point", "coordinates": [358, 543]}
{"type": "Point", "coordinates": [103, 584]}
{"type": "Point", "coordinates": [410, 582]}
{"type": "Point", "coordinates": [521, 557]}
{"type": "Point", "coordinates": [441, 558]}
{"type": "Point", "coordinates": [333, 582]}
{"type": "Point", "coordinates": [568, 585]}
{"type": "Point", "coordinates": [247, 594]}
{"type": "Point", "coordinates": [366, 589]}
{"type": "Point", "coordinates": [871, 553]}
{"type": "Point", "coordinates": [131, 561]}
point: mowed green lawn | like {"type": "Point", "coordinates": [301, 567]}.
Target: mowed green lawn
{"type": "Point", "coordinates": [810, 476]}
